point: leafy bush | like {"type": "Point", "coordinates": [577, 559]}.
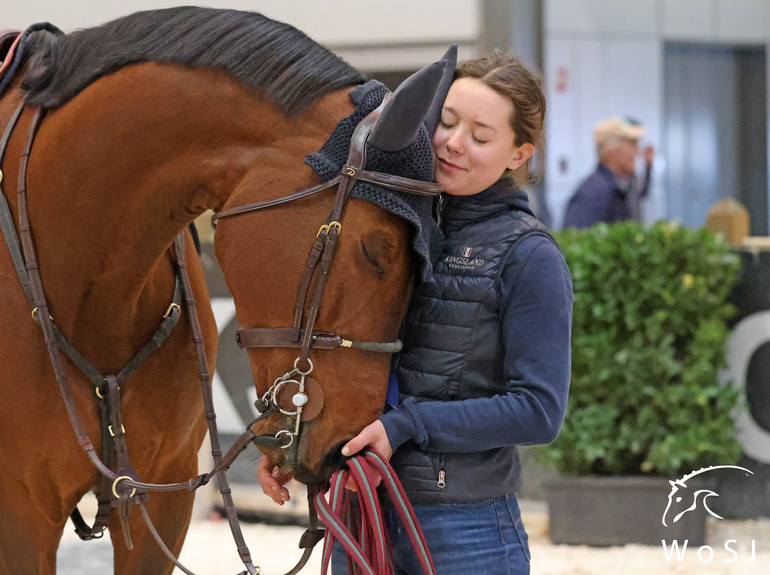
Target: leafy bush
{"type": "Point", "coordinates": [649, 329]}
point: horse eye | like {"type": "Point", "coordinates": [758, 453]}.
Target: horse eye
{"type": "Point", "coordinates": [371, 260]}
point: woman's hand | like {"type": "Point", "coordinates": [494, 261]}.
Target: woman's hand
{"type": "Point", "coordinates": [374, 436]}
{"type": "Point", "coordinates": [272, 481]}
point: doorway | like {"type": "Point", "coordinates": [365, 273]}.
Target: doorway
{"type": "Point", "coordinates": [715, 131]}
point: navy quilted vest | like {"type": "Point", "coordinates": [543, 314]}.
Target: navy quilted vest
{"type": "Point", "coordinates": [453, 351]}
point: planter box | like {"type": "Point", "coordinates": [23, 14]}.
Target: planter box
{"type": "Point", "coordinates": [604, 511]}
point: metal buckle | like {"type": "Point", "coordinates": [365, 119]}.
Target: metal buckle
{"type": "Point", "coordinates": [171, 308]}
{"type": "Point", "coordinates": [326, 228]}
{"type": "Point", "coordinates": [34, 313]}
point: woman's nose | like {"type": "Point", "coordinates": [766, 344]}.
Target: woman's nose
{"type": "Point", "coordinates": [454, 143]}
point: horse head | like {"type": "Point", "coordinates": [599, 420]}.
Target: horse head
{"type": "Point", "coordinates": [321, 398]}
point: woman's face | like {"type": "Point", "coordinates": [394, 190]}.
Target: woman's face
{"type": "Point", "coordinates": [474, 142]}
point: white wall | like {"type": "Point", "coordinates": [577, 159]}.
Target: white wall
{"type": "Point", "coordinates": [605, 57]}
{"type": "Point", "coordinates": [381, 35]}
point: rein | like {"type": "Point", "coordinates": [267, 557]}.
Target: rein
{"type": "Point", "coordinates": [363, 536]}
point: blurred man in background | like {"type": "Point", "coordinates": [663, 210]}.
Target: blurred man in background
{"type": "Point", "coordinates": [612, 193]}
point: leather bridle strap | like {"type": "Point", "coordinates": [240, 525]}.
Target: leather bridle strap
{"type": "Point", "coordinates": [285, 337]}
{"type": "Point", "coordinates": [393, 182]}
{"type": "Point", "coordinates": [353, 169]}
{"type": "Point", "coordinates": [123, 483]}
{"type": "Point", "coordinates": [6, 220]}
{"type": "Point", "coordinates": [326, 239]}
{"type": "Point", "coordinates": [269, 203]}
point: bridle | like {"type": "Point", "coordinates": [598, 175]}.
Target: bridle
{"type": "Point", "coordinates": [294, 393]}
{"type": "Point", "coordinates": [119, 477]}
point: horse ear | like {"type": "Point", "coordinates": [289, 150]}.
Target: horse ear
{"type": "Point", "coordinates": [433, 116]}
{"type": "Point", "coordinates": [405, 111]}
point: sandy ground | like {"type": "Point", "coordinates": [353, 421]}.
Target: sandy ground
{"type": "Point", "coordinates": [209, 550]}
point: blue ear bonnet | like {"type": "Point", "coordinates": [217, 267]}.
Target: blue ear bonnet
{"type": "Point", "coordinates": [416, 162]}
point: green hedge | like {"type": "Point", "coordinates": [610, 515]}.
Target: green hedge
{"type": "Point", "coordinates": [648, 336]}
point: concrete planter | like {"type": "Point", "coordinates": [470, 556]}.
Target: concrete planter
{"type": "Point", "coordinates": [604, 511]}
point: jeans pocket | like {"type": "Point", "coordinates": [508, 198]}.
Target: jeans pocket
{"type": "Point", "coordinates": [518, 524]}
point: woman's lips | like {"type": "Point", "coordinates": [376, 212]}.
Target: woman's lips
{"type": "Point", "coordinates": [449, 165]}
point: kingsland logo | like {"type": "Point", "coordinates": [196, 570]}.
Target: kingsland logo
{"type": "Point", "coordinates": [464, 260]}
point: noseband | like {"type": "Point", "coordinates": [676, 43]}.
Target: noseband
{"type": "Point", "coordinates": [295, 386]}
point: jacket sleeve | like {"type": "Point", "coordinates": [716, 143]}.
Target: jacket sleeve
{"type": "Point", "coordinates": [536, 320]}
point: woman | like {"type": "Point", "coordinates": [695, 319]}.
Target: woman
{"type": "Point", "coordinates": [486, 359]}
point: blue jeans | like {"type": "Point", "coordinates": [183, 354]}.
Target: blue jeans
{"type": "Point", "coordinates": [483, 538]}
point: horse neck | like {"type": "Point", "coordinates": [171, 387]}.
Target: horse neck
{"type": "Point", "coordinates": [130, 176]}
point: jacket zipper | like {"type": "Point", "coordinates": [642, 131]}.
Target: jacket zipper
{"type": "Point", "coordinates": [440, 211]}
{"type": "Point", "coordinates": [441, 479]}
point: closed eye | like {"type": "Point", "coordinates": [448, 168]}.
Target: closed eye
{"type": "Point", "coordinates": [371, 260]}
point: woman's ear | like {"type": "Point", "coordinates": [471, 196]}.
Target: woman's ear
{"type": "Point", "coordinates": [521, 155]}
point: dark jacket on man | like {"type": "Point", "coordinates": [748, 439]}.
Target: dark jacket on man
{"type": "Point", "coordinates": [601, 198]}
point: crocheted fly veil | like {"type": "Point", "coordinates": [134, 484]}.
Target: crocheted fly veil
{"type": "Point", "coordinates": [414, 161]}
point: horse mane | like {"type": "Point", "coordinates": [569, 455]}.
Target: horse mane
{"type": "Point", "coordinates": [292, 69]}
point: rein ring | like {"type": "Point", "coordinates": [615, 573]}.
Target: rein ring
{"type": "Point", "coordinates": [115, 486]}
{"type": "Point", "coordinates": [285, 432]}
{"type": "Point", "coordinates": [299, 371]}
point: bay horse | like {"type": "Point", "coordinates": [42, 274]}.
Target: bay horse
{"type": "Point", "coordinates": [150, 120]}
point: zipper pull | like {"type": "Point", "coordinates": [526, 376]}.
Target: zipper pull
{"type": "Point", "coordinates": [439, 210]}
{"type": "Point", "coordinates": [441, 475]}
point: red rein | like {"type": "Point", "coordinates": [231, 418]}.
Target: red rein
{"type": "Point", "coordinates": [363, 534]}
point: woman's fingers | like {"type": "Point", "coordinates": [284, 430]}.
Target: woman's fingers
{"type": "Point", "coordinates": [272, 481]}
{"type": "Point", "coordinates": [373, 435]}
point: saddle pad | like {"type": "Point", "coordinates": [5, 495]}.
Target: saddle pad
{"type": "Point", "coordinates": [16, 43]}
{"type": "Point", "coordinates": [8, 41]}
